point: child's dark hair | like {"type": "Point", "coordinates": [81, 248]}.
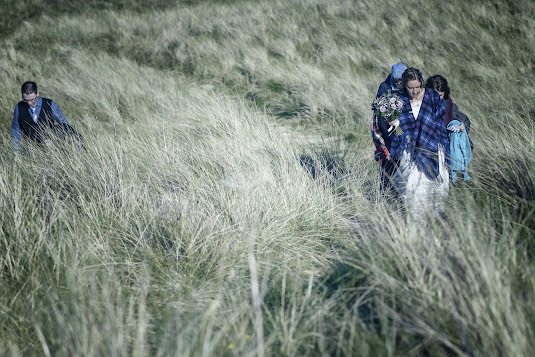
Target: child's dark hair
{"type": "Point", "coordinates": [440, 84]}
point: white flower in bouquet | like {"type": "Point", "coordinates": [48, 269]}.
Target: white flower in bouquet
{"type": "Point", "coordinates": [389, 106]}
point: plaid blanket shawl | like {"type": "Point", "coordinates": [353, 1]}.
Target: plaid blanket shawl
{"type": "Point", "coordinates": [381, 151]}
{"type": "Point", "coordinates": [422, 137]}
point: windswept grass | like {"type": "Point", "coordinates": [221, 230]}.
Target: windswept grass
{"type": "Point", "coordinates": [213, 127]}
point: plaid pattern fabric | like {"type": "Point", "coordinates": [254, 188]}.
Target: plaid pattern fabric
{"type": "Point", "coordinates": [422, 137]}
{"type": "Point", "coordinates": [381, 152]}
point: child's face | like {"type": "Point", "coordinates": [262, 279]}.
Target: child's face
{"type": "Point", "coordinates": [441, 94]}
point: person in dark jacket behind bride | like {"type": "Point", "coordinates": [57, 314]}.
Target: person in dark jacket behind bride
{"type": "Point", "coordinates": [379, 127]}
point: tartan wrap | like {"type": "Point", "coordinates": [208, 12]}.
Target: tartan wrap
{"type": "Point", "coordinates": [423, 136]}
{"type": "Point", "coordinates": [381, 151]}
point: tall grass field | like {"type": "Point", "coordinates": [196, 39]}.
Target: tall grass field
{"type": "Point", "coordinates": [227, 200]}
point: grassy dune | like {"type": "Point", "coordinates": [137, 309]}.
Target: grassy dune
{"type": "Point", "coordinates": [190, 225]}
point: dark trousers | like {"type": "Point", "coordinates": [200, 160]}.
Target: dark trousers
{"type": "Point", "coordinates": [388, 168]}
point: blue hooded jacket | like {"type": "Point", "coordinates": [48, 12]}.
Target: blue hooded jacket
{"type": "Point", "coordinates": [460, 150]}
{"type": "Point", "coordinates": [387, 85]}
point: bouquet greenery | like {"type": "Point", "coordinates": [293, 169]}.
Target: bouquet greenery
{"type": "Point", "coordinates": [389, 106]}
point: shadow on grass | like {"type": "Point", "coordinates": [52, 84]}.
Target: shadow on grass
{"type": "Point", "coordinates": [341, 289]}
{"type": "Point", "coordinates": [351, 286]}
{"type": "Point", "coordinates": [14, 13]}
{"type": "Point", "coordinates": [324, 163]}
{"type": "Point", "coordinates": [510, 179]}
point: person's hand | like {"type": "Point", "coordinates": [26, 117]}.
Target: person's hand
{"type": "Point", "coordinates": [454, 128]}
{"type": "Point", "coordinates": [379, 155]}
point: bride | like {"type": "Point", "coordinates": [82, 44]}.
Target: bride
{"type": "Point", "coordinates": [422, 177]}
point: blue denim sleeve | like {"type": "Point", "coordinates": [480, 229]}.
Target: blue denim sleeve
{"type": "Point", "coordinates": [15, 129]}
{"type": "Point", "coordinates": [58, 114]}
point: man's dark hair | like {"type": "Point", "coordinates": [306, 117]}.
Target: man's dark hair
{"type": "Point", "coordinates": [411, 74]}
{"type": "Point", "coordinates": [28, 88]}
{"type": "Point", "coordinates": [438, 83]}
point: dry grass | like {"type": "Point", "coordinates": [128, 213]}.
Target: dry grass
{"type": "Point", "coordinates": [197, 119]}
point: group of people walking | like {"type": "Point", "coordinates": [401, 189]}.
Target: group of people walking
{"type": "Point", "coordinates": [430, 141]}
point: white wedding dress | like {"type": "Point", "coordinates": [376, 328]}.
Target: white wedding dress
{"type": "Point", "coordinates": [421, 194]}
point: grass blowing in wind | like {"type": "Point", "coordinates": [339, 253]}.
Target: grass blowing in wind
{"type": "Point", "coordinates": [196, 119]}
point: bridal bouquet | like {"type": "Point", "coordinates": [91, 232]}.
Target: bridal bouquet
{"type": "Point", "coordinates": [389, 106]}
